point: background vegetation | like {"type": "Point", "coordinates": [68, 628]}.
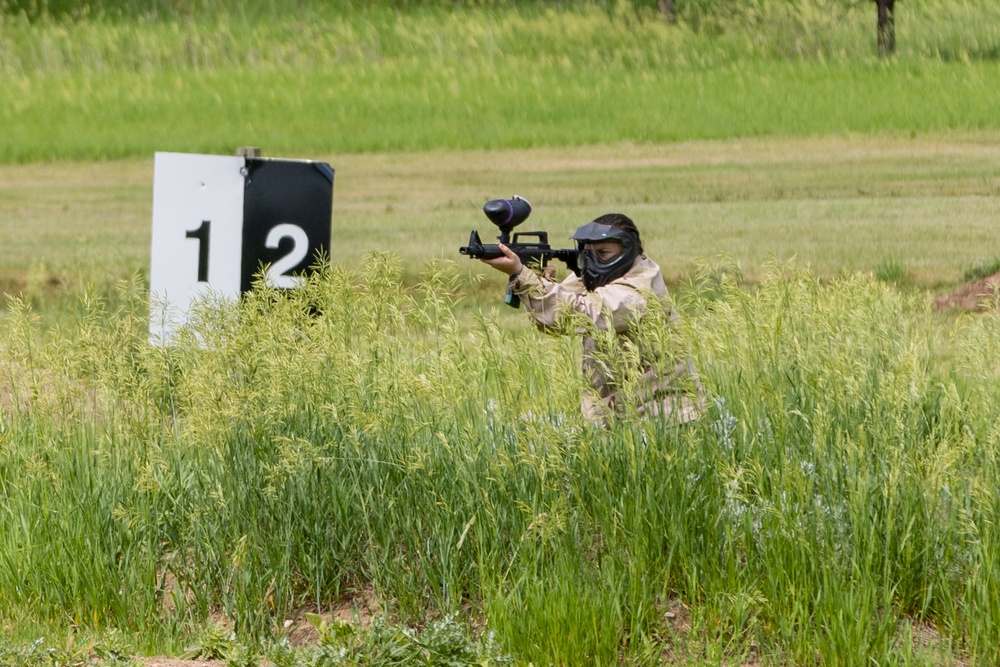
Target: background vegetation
{"type": "Point", "coordinates": [356, 439]}
{"type": "Point", "coordinates": [323, 80]}
{"type": "Point", "coordinates": [383, 442]}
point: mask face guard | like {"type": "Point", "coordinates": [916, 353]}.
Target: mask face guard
{"type": "Point", "coordinates": [594, 259]}
{"type": "Point", "coordinates": [596, 272]}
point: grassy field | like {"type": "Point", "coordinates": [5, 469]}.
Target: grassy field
{"type": "Point", "coordinates": [422, 450]}
{"type": "Point", "coordinates": [392, 449]}
{"type": "Point", "coordinates": [375, 80]}
{"type": "Point", "coordinates": [365, 445]}
{"type": "Point", "coordinates": [349, 110]}
{"type": "Point", "coordinates": [839, 204]}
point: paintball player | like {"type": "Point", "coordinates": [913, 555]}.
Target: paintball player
{"type": "Point", "coordinates": [615, 281]}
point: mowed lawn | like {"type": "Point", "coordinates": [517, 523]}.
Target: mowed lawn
{"type": "Point", "coordinates": [926, 205]}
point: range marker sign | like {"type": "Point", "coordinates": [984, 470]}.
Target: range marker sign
{"type": "Point", "coordinates": [218, 221]}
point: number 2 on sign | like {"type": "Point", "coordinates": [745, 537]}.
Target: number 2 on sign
{"type": "Point", "coordinates": [275, 276]}
{"type": "Point", "coordinates": [202, 235]}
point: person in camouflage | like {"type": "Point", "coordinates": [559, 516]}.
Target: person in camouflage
{"type": "Point", "coordinates": [616, 279]}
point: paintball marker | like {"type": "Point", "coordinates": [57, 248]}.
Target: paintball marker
{"type": "Point", "coordinates": [508, 214]}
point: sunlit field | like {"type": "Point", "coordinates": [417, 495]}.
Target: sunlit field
{"type": "Point", "coordinates": [359, 439]}
{"type": "Point", "coordinates": [326, 81]}
{"type": "Point", "coordinates": [387, 466]}
{"type": "Point", "coordinates": [927, 204]}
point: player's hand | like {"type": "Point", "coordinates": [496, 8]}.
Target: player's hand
{"type": "Point", "coordinates": [509, 263]}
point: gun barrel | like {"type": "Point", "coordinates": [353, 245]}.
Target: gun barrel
{"type": "Point", "coordinates": [482, 251]}
{"type": "Point", "coordinates": [479, 250]}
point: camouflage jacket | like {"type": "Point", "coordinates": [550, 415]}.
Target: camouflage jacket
{"type": "Point", "coordinates": [670, 390]}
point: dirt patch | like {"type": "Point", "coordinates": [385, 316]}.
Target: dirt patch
{"type": "Point", "coordinates": [980, 296]}
{"type": "Point", "coordinates": [358, 607]}
{"type": "Point", "coordinates": [180, 662]}
{"type": "Point", "coordinates": [928, 645]}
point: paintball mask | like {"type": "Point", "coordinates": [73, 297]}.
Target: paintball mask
{"type": "Point", "coordinates": [595, 271]}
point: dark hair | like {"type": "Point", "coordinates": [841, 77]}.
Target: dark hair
{"type": "Point", "coordinates": [624, 223]}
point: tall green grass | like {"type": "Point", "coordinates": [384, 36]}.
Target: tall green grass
{"type": "Point", "coordinates": [837, 503]}
{"type": "Point", "coordinates": [337, 110]}
{"type": "Point", "coordinates": [378, 79]}
{"type": "Point", "coordinates": [368, 436]}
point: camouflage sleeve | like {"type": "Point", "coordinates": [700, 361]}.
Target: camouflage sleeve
{"type": "Point", "coordinates": [551, 303]}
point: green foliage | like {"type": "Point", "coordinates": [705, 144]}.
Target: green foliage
{"type": "Point", "coordinates": [891, 271]}
{"type": "Point", "coordinates": [43, 10]}
{"type": "Point", "coordinates": [841, 492]}
{"type": "Point", "coordinates": [24, 656]}
{"type": "Point", "coordinates": [213, 642]}
{"type": "Point", "coordinates": [356, 433]}
{"type": "Point", "coordinates": [112, 650]}
{"type": "Point", "coordinates": [212, 80]}
{"type": "Point", "coordinates": [444, 642]}
{"type": "Point", "coordinates": [984, 270]}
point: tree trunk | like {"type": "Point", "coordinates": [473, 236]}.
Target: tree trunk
{"type": "Point", "coordinates": [667, 9]}
{"type": "Point", "coordinates": [886, 27]}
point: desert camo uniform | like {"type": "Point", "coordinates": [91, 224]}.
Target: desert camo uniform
{"type": "Point", "coordinates": [674, 394]}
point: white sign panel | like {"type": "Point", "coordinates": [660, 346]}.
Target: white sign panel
{"type": "Point", "coordinates": [197, 235]}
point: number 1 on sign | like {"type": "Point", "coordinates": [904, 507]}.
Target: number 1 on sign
{"type": "Point", "coordinates": [202, 235]}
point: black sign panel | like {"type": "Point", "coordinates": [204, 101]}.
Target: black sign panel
{"type": "Point", "coordinates": [287, 208]}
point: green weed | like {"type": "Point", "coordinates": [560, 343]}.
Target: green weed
{"type": "Point", "coordinates": [357, 433]}
{"type": "Point", "coordinates": [984, 270]}
{"type": "Point", "coordinates": [210, 81]}
{"type": "Point", "coordinates": [891, 271]}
